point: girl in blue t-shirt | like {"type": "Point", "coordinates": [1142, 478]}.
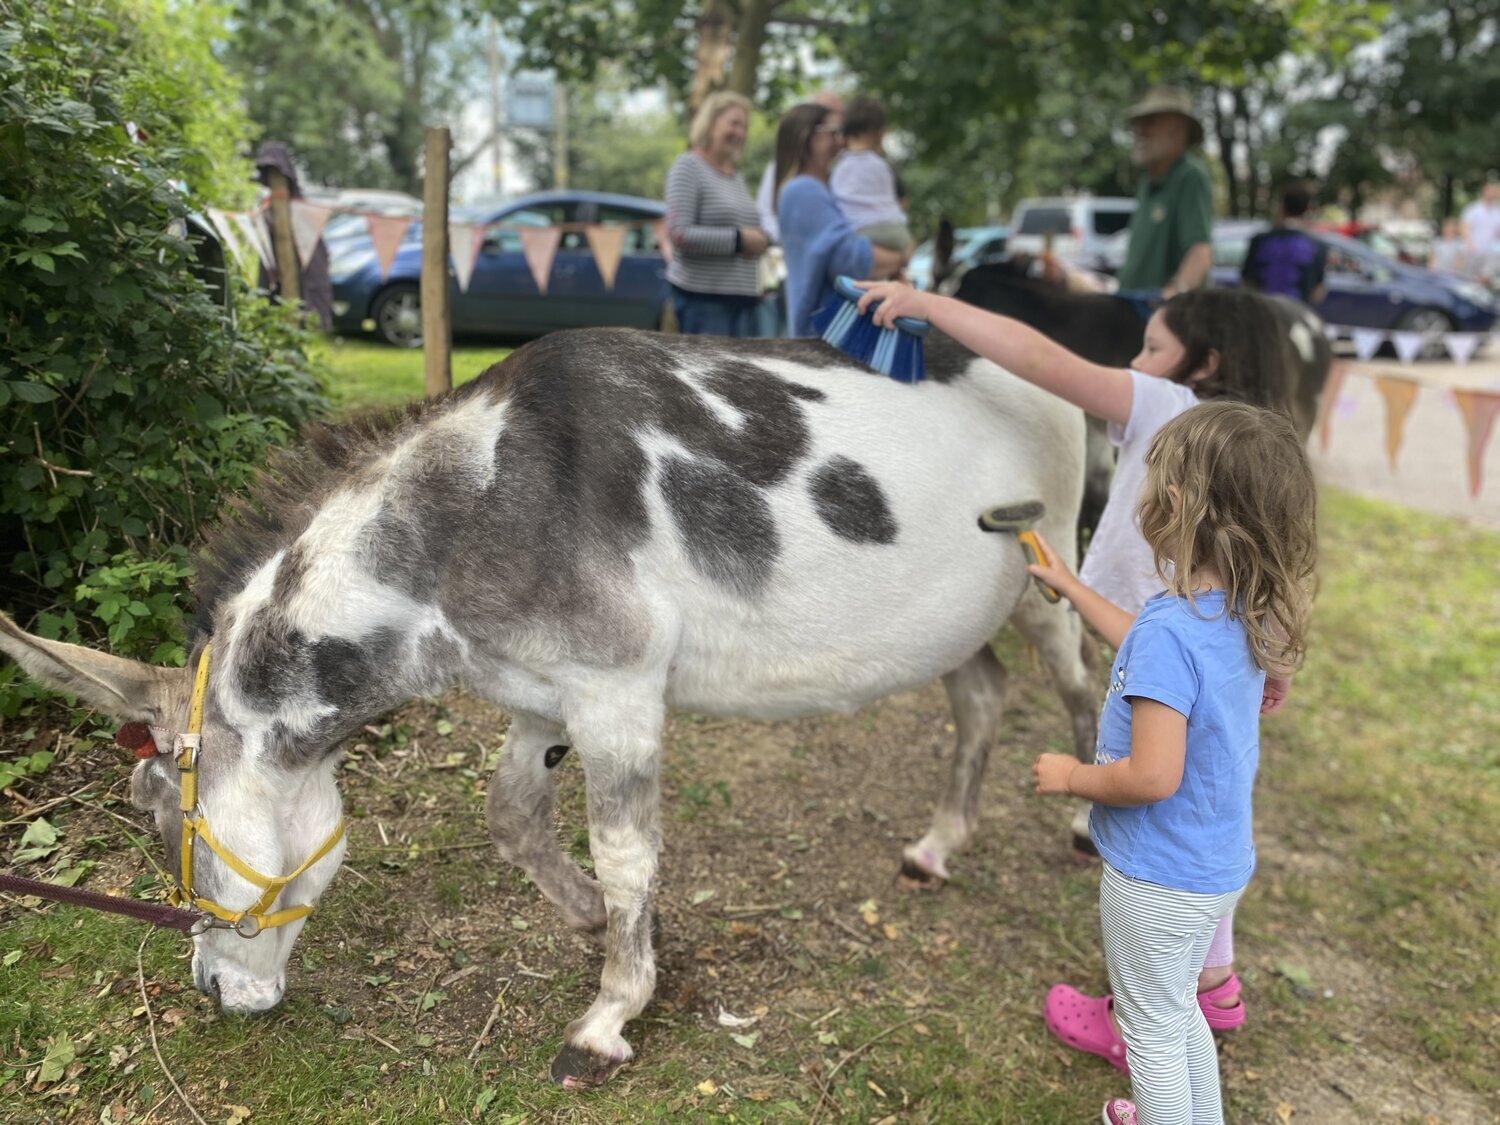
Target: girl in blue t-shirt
{"type": "Point", "coordinates": [1228, 509]}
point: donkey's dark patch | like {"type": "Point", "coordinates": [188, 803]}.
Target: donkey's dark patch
{"type": "Point", "coordinates": [807, 394]}
{"type": "Point", "coordinates": [554, 755]}
{"type": "Point", "coordinates": [724, 523]}
{"type": "Point", "coordinates": [851, 502]}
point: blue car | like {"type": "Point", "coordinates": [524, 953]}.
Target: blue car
{"type": "Point", "coordinates": [502, 298]}
{"type": "Point", "coordinates": [1366, 289]}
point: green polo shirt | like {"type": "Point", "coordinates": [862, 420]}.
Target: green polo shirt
{"type": "Point", "coordinates": [1171, 216]}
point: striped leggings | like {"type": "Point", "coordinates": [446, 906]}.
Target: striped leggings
{"type": "Point", "coordinates": [1155, 939]}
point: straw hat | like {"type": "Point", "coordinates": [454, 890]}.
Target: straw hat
{"type": "Point", "coordinates": [1168, 99]}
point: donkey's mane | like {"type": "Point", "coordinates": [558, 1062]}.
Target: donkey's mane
{"type": "Point", "coordinates": [285, 495]}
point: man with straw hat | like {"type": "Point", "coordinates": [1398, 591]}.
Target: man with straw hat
{"type": "Point", "coordinates": [1170, 231]}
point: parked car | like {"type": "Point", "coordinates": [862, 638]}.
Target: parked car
{"type": "Point", "coordinates": [1366, 289]}
{"type": "Point", "coordinates": [973, 246]}
{"type": "Point", "coordinates": [343, 225]}
{"type": "Point", "coordinates": [1084, 231]}
{"type": "Point", "coordinates": [502, 298]}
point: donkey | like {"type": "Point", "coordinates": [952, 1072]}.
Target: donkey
{"type": "Point", "coordinates": [604, 525]}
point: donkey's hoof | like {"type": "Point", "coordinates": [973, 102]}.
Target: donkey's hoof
{"type": "Point", "coordinates": [1084, 852]}
{"type": "Point", "coordinates": [578, 1068]}
{"type": "Point", "coordinates": [914, 878]}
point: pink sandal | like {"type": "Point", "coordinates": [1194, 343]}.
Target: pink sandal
{"type": "Point", "coordinates": [1083, 1021]}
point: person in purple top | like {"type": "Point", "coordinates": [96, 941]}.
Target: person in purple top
{"type": "Point", "coordinates": [1287, 261]}
{"type": "Point", "coordinates": [816, 238]}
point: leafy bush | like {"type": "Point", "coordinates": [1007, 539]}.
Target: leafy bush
{"type": "Point", "coordinates": [129, 401]}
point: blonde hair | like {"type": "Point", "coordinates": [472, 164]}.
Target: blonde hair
{"type": "Point", "coordinates": [1245, 505]}
{"type": "Point", "coordinates": [713, 105]}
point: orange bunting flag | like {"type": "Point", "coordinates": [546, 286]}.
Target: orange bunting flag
{"type": "Point", "coordinates": [1479, 409]}
{"type": "Point", "coordinates": [608, 244]}
{"type": "Point", "coordinates": [663, 240]}
{"type": "Point", "coordinates": [539, 244]}
{"type": "Point", "coordinates": [1331, 388]}
{"type": "Point", "coordinates": [386, 232]}
{"type": "Point", "coordinates": [1399, 394]}
{"type": "Point", "coordinates": [308, 221]}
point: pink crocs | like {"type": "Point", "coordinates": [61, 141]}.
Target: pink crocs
{"type": "Point", "coordinates": [1119, 1111]}
{"type": "Point", "coordinates": [1222, 1019]}
{"type": "Point", "coordinates": [1083, 1022]}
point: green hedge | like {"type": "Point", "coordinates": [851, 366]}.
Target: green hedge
{"type": "Point", "coordinates": [130, 402]}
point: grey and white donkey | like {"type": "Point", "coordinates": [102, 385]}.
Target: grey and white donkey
{"type": "Point", "coordinates": [607, 524]}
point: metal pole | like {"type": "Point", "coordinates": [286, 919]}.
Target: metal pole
{"type": "Point", "coordinates": [437, 345]}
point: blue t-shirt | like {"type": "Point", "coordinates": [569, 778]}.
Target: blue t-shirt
{"type": "Point", "coordinates": [1197, 662]}
{"type": "Point", "coordinates": [819, 245]}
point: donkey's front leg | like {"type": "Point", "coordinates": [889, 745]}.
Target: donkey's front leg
{"type": "Point", "coordinates": [621, 758]}
{"type": "Point", "coordinates": [519, 811]}
{"type": "Point", "coordinates": [976, 692]}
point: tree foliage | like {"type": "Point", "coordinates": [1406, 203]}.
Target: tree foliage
{"type": "Point", "coordinates": [129, 401]}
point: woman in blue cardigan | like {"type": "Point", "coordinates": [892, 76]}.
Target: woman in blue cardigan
{"type": "Point", "coordinates": [818, 242]}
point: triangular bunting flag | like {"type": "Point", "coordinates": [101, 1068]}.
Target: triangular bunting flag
{"type": "Point", "coordinates": [234, 241]}
{"type": "Point", "coordinates": [663, 240]}
{"type": "Point", "coordinates": [539, 244]}
{"type": "Point", "coordinates": [1332, 331]}
{"type": "Point", "coordinates": [252, 225]}
{"type": "Point", "coordinates": [1331, 388]}
{"type": "Point", "coordinates": [1367, 341]}
{"type": "Point", "coordinates": [308, 221]}
{"type": "Point", "coordinates": [1399, 394]}
{"type": "Point", "coordinates": [608, 244]}
{"type": "Point", "coordinates": [386, 232]}
{"type": "Point", "coordinates": [1408, 345]}
{"type": "Point", "coordinates": [1479, 409]}
{"type": "Point", "coordinates": [1462, 345]}
{"type": "Point", "coordinates": [464, 243]}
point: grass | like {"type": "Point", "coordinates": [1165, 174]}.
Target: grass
{"type": "Point", "coordinates": [1379, 821]}
{"type": "Point", "coordinates": [365, 373]}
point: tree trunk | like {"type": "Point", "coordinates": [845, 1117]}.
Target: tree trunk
{"type": "Point", "coordinates": [715, 32]}
{"type": "Point", "coordinates": [1224, 131]}
{"type": "Point", "coordinates": [754, 15]}
{"type": "Point", "coordinates": [1252, 178]}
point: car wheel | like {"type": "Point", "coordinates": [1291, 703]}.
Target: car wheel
{"type": "Point", "coordinates": [1432, 323]}
{"type": "Point", "coordinates": [398, 316]}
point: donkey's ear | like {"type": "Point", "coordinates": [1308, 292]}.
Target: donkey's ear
{"type": "Point", "coordinates": [126, 689]}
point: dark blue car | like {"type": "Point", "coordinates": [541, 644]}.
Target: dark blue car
{"type": "Point", "coordinates": [502, 298]}
{"type": "Point", "coordinates": [1366, 289]}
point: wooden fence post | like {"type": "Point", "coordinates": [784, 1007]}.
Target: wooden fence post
{"type": "Point", "coordinates": [288, 270]}
{"type": "Point", "coordinates": [437, 343]}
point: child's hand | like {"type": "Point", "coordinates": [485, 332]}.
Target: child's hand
{"type": "Point", "coordinates": [895, 300]}
{"type": "Point", "coordinates": [1054, 571]}
{"type": "Point", "coordinates": [1273, 695]}
{"type": "Point", "coordinates": [1052, 772]}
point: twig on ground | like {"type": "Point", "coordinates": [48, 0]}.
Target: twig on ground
{"type": "Point", "coordinates": [140, 968]}
{"type": "Point", "coordinates": [848, 929]}
{"type": "Point", "coordinates": [489, 1023]}
{"type": "Point", "coordinates": [859, 1050]}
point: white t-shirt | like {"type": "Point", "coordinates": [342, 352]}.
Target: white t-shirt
{"type": "Point", "coordinates": [1119, 564]}
{"type": "Point", "coordinates": [1482, 220]}
{"type": "Point", "coordinates": [765, 203]}
{"type": "Point", "coordinates": [865, 187]}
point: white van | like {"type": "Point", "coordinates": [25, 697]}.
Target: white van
{"type": "Point", "coordinates": [1084, 228]}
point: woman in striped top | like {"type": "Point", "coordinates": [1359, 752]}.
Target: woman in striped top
{"type": "Point", "coordinates": [714, 226]}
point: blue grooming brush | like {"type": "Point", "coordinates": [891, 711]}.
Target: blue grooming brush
{"type": "Point", "coordinates": [896, 352]}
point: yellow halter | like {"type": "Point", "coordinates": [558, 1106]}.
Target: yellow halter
{"type": "Point", "coordinates": [251, 921]}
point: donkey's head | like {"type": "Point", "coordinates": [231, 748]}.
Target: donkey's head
{"type": "Point", "coordinates": [257, 814]}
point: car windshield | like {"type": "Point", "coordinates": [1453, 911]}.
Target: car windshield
{"type": "Point", "coordinates": [1045, 220]}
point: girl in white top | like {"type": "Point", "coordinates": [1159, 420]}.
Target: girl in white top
{"type": "Point", "coordinates": [1202, 344]}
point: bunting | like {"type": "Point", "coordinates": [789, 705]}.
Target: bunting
{"type": "Point", "coordinates": [608, 245]}
{"type": "Point", "coordinates": [1408, 345]}
{"type": "Point", "coordinates": [1479, 409]}
{"type": "Point", "coordinates": [308, 221]}
{"type": "Point", "coordinates": [386, 232]}
{"type": "Point", "coordinates": [1399, 394]}
{"type": "Point", "coordinates": [465, 240]}
{"type": "Point", "coordinates": [1367, 341]}
{"type": "Point", "coordinates": [539, 244]}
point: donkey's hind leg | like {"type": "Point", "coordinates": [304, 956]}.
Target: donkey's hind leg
{"type": "Point", "coordinates": [1057, 633]}
{"type": "Point", "coordinates": [976, 690]}
{"type": "Point", "coordinates": [519, 811]}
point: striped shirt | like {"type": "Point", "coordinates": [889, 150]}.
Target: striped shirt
{"type": "Point", "coordinates": [705, 210]}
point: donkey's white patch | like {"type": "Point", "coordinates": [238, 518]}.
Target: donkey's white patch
{"type": "Point", "coordinates": [1303, 340]}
